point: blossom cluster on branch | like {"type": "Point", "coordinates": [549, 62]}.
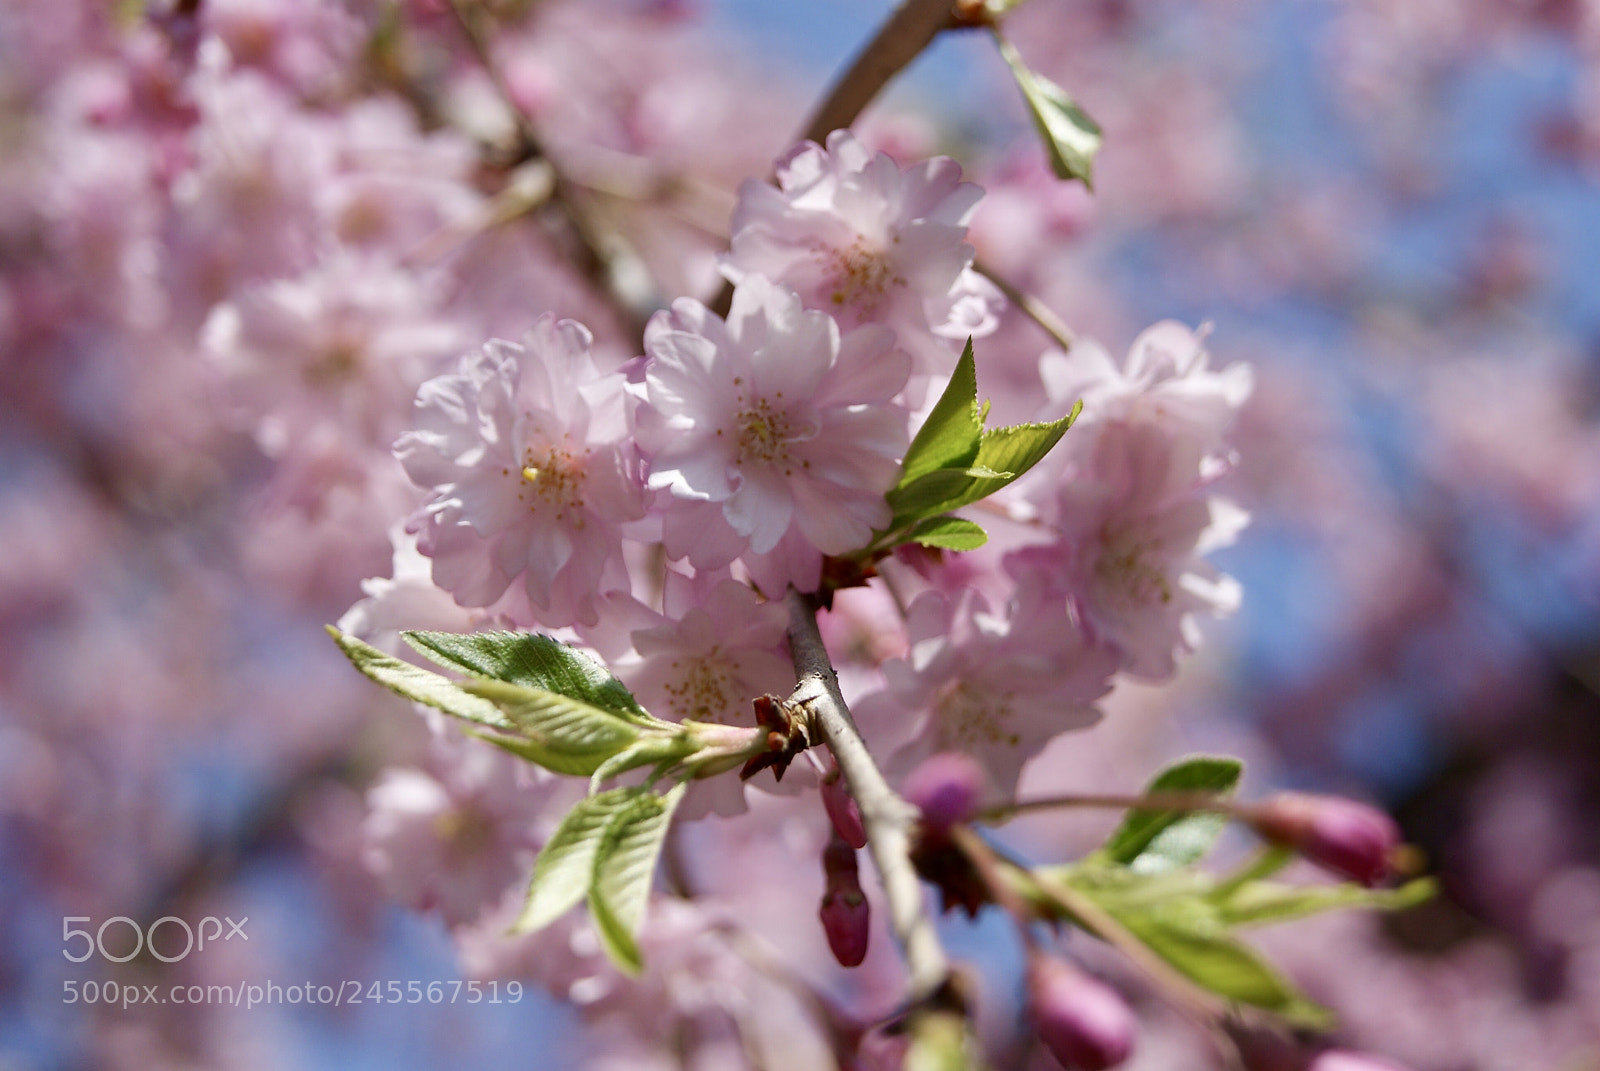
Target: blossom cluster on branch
{"type": "Point", "coordinates": [739, 508]}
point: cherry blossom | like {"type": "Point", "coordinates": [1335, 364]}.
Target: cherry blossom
{"type": "Point", "coordinates": [715, 648]}
{"type": "Point", "coordinates": [992, 686]}
{"type": "Point", "coordinates": [523, 449]}
{"type": "Point", "coordinates": [1131, 536]}
{"type": "Point", "coordinates": [868, 242]}
{"type": "Point", "coordinates": [773, 417]}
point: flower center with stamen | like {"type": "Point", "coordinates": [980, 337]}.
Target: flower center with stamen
{"type": "Point", "coordinates": [553, 479]}
{"type": "Point", "coordinates": [858, 275]}
{"type": "Point", "coordinates": [1129, 571]}
{"type": "Point", "coordinates": [969, 716]}
{"type": "Point", "coordinates": [704, 689]}
{"type": "Point", "coordinates": [764, 433]}
{"type": "Point", "coordinates": [337, 364]}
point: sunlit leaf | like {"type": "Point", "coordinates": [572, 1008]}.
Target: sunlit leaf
{"type": "Point", "coordinates": [948, 533]}
{"type": "Point", "coordinates": [417, 684]}
{"type": "Point", "coordinates": [531, 660]}
{"type": "Point", "coordinates": [558, 722]}
{"type": "Point", "coordinates": [1138, 833]}
{"type": "Point", "coordinates": [949, 437]}
{"type": "Point", "coordinates": [1257, 903]}
{"type": "Point", "coordinates": [1070, 137]}
{"type": "Point", "coordinates": [624, 868]}
{"type": "Point", "coordinates": [565, 867]}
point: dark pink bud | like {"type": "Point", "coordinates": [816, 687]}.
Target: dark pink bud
{"type": "Point", "coordinates": [839, 863]}
{"type": "Point", "coordinates": [843, 811]}
{"type": "Point", "coordinates": [1084, 1023]}
{"type": "Point", "coordinates": [1344, 835]}
{"type": "Point", "coordinates": [847, 921]}
{"type": "Point", "coordinates": [946, 788]}
{"type": "Point", "coordinates": [1339, 1060]}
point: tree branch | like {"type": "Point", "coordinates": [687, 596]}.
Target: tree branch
{"type": "Point", "coordinates": [912, 27]}
{"type": "Point", "coordinates": [888, 818]}
{"type": "Point", "coordinates": [604, 258]}
{"type": "Point", "coordinates": [1036, 310]}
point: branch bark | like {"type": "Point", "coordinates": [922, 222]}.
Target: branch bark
{"type": "Point", "coordinates": [912, 27]}
{"type": "Point", "coordinates": [888, 819]}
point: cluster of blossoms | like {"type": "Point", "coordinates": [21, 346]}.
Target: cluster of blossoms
{"type": "Point", "coordinates": [660, 508]}
{"type": "Point", "coordinates": [656, 509]}
{"type": "Point", "coordinates": [240, 239]}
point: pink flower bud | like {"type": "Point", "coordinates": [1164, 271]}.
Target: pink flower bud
{"type": "Point", "coordinates": [839, 863]}
{"type": "Point", "coordinates": [1344, 835]}
{"type": "Point", "coordinates": [1340, 1060]}
{"type": "Point", "coordinates": [946, 788]}
{"type": "Point", "coordinates": [843, 811]}
{"type": "Point", "coordinates": [1084, 1023]}
{"type": "Point", "coordinates": [847, 921]}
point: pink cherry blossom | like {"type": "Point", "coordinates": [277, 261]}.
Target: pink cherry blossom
{"type": "Point", "coordinates": [1166, 379]}
{"type": "Point", "coordinates": [773, 417]}
{"type": "Point", "coordinates": [524, 450]}
{"type": "Point", "coordinates": [857, 236]}
{"type": "Point", "coordinates": [715, 648]}
{"type": "Point", "coordinates": [1131, 533]}
{"type": "Point", "coordinates": [339, 348]}
{"type": "Point", "coordinates": [995, 687]}
{"type": "Point", "coordinates": [454, 837]}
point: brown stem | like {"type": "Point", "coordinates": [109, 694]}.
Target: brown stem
{"type": "Point", "coordinates": [604, 258]}
{"type": "Point", "coordinates": [1186, 802]}
{"type": "Point", "coordinates": [1097, 920]}
{"type": "Point", "coordinates": [889, 820]}
{"type": "Point", "coordinates": [1036, 310]}
{"type": "Point", "coordinates": [912, 27]}
{"type": "Point", "coordinates": [990, 868]}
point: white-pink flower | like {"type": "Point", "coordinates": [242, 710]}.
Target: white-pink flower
{"type": "Point", "coordinates": [769, 425]}
{"type": "Point", "coordinates": [456, 836]}
{"type": "Point", "coordinates": [526, 451]}
{"type": "Point", "coordinates": [716, 646]}
{"type": "Point", "coordinates": [996, 687]}
{"type": "Point", "coordinates": [1131, 531]}
{"type": "Point", "coordinates": [858, 237]}
{"type": "Point", "coordinates": [1166, 380]}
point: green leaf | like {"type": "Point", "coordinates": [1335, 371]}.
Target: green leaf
{"type": "Point", "coordinates": [417, 684]}
{"type": "Point", "coordinates": [950, 533]}
{"type": "Point", "coordinates": [651, 749]}
{"type": "Point", "coordinates": [565, 867]}
{"type": "Point", "coordinates": [1257, 903]}
{"type": "Point", "coordinates": [1016, 449]}
{"type": "Point", "coordinates": [564, 725]}
{"type": "Point", "coordinates": [1139, 831]}
{"type": "Point", "coordinates": [624, 867]}
{"type": "Point", "coordinates": [1185, 841]}
{"type": "Point", "coordinates": [929, 495]}
{"type": "Point", "coordinates": [1070, 137]}
{"type": "Point", "coordinates": [949, 437]}
{"type": "Point", "coordinates": [573, 765]}
{"type": "Point", "coordinates": [533, 661]}
{"type": "Point", "coordinates": [1190, 936]}
{"type": "Point", "coordinates": [1003, 455]}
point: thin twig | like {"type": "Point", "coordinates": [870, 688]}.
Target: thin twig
{"type": "Point", "coordinates": [911, 28]}
{"type": "Point", "coordinates": [889, 820]}
{"type": "Point", "coordinates": [1100, 922]}
{"type": "Point", "coordinates": [1036, 310]}
{"type": "Point", "coordinates": [990, 868]}
{"type": "Point", "coordinates": [604, 257]}
{"type": "Point", "coordinates": [902, 37]}
{"type": "Point", "coordinates": [1184, 802]}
